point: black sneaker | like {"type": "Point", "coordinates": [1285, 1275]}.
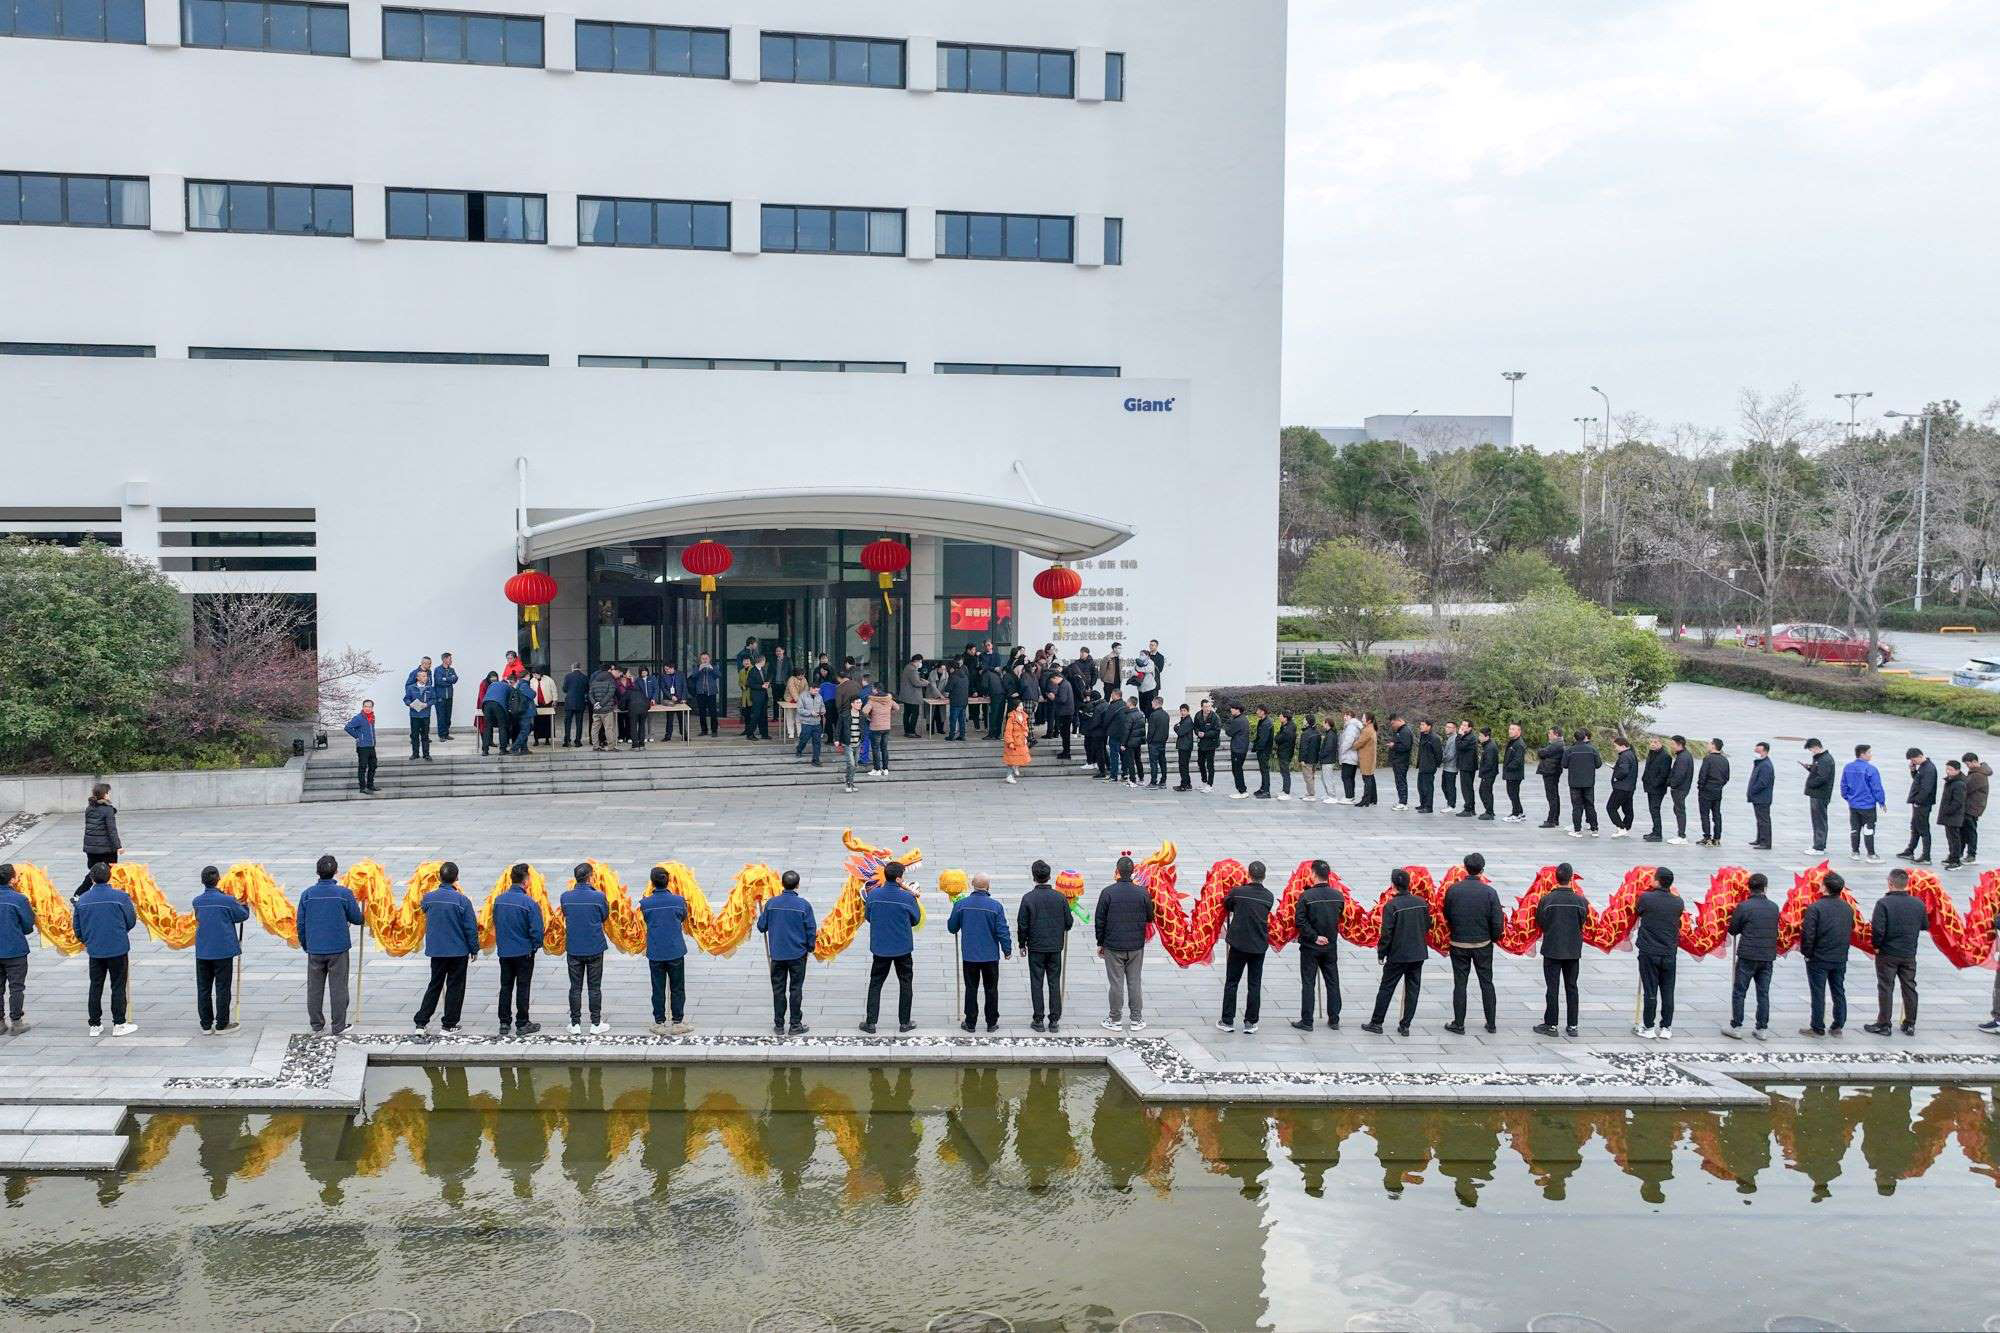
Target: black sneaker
{"type": "Point", "coordinates": [869, 1028]}
{"type": "Point", "coordinates": [1402, 1029]}
{"type": "Point", "coordinates": [992, 1027]}
{"type": "Point", "coordinates": [1879, 1029]}
{"type": "Point", "coordinates": [1302, 1025]}
{"type": "Point", "coordinates": [527, 1029]}
{"type": "Point", "coordinates": [797, 1030]}
{"type": "Point", "coordinates": [1375, 1028]}
{"type": "Point", "coordinates": [1036, 1025]}
{"type": "Point", "coordinates": [506, 1031]}
{"type": "Point", "coordinates": [1545, 1029]}
{"type": "Point", "coordinates": [778, 1028]}
{"type": "Point", "coordinates": [967, 1027]}
{"type": "Point", "coordinates": [1652, 837]}
{"type": "Point", "coordinates": [1569, 1031]}
{"type": "Point", "coordinates": [906, 1027]}
{"type": "Point", "coordinates": [1055, 1027]}
{"type": "Point", "coordinates": [1456, 1029]}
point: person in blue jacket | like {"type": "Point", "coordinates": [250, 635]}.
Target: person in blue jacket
{"type": "Point", "coordinates": [1763, 785]}
{"type": "Point", "coordinates": [584, 912]}
{"type": "Point", "coordinates": [521, 712]}
{"type": "Point", "coordinates": [418, 697]}
{"type": "Point", "coordinates": [362, 728]}
{"type": "Point", "coordinates": [517, 936]}
{"type": "Point", "coordinates": [17, 923]}
{"type": "Point", "coordinates": [444, 683]}
{"type": "Point", "coordinates": [1861, 788]}
{"type": "Point", "coordinates": [666, 952]}
{"type": "Point", "coordinates": [326, 909]}
{"type": "Point", "coordinates": [104, 919]}
{"type": "Point", "coordinates": [451, 938]}
{"type": "Point", "coordinates": [217, 943]}
{"type": "Point", "coordinates": [790, 930]}
{"type": "Point", "coordinates": [981, 926]}
{"type": "Point", "coordinates": [892, 914]}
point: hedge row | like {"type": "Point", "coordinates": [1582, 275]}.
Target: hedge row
{"type": "Point", "coordinates": [1844, 688]}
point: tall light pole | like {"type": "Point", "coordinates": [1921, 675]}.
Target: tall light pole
{"type": "Point", "coordinates": [1403, 431]}
{"type": "Point", "coordinates": [1852, 399]}
{"type": "Point", "coordinates": [1923, 494]}
{"type": "Point", "coordinates": [1582, 477]}
{"type": "Point", "coordinates": [1607, 413]}
{"type": "Point", "coordinates": [1604, 473]}
{"type": "Point", "coordinates": [1513, 378]}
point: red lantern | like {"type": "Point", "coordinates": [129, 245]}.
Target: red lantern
{"type": "Point", "coordinates": [1058, 583]}
{"type": "Point", "coordinates": [706, 559]}
{"type": "Point", "coordinates": [886, 558]}
{"type": "Point", "coordinates": [531, 590]}
{"type": "Point", "coordinates": [865, 631]}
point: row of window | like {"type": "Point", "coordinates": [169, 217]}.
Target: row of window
{"type": "Point", "coordinates": [451, 37]}
{"type": "Point", "coordinates": [304, 210]}
{"type": "Point", "coordinates": [468, 215]}
{"type": "Point", "coordinates": [530, 359]}
{"type": "Point", "coordinates": [47, 200]}
{"type": "Point", "coordinates": [673, 224]}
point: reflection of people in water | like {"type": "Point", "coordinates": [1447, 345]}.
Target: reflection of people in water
{"type": "Point", "coordinates": [1240, 1133]}
{"type": "Point", "coordinates": [977, 1126]}
{"type": "Point", "coordinates": [1042, 1138]}
{"type": "Point", "coordinates": [1313, 1140]}
{"type": "Point", "coordinates": [1744, 1139]}
{"type": "Point", "coordinates": [587, 1137]}
{"type": "Point", "coordinates": [223, 1146]}
{"type": "Point", "coordinates": [1403, 1147]}
{"type": "Point", "coordinates": [666, 1126]}
{"type": "Point", "coordinates": [1649, 1151]}
{"type": "Point", "coordinates": [326, 1154]}
{"type": "Point", "coordinates": [1888, 1143]}
{"type": "Point", "coordinates": [892, 1133]}
{"type": "Point", "coordinates": [1468, 1148]}
{"type": "Point", "coordinates": [451, 1143]}
{"type": "Point", "coordinates": [1823, 1121]}
{"type": "Point", "coordinates": [520, 1137]}
{"type": "Point", "coordinates": [789, 1132]}
{"type": "Point", "coordinates": [1123, 1130]}
{"type": "Point", "coordinates": [1552, 1142]}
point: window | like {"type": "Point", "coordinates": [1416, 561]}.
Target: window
{"type": "Point", "coordinates": [40, 200]}
{"type": "Point", "coordinates": [452, 38]}
{"type": "Point", "coordinates": [1008, 368]}
{"type": "Point", "coordinates": [639, 48]}
{"type": "Point", "coordinates": [1114, 240]}
{"type": "Point", "coordinates": [1114, 76]}
{"type": "Point", "coordinates": [467, 215]}
{"type": "Point", "coordinates": [1005, 236]}
{"type": "Point", "coordinates": [294, 210]}
{"type": "Point", "coordinates": [400, 358]}
{"type": "Point", "coordinates": [74, 349]}
{"type": "Point", "coordinates": [738, 363]}
{"type": "Point", "coordinates": [838, 231]}
{"type": "Point", "coordinates": [249, 25]}
{"type": "Point", "coordinates": [668, 224]}
{"type": "Point", "coordinates": [1022, 71]}
{"type": "Point", "coordinates": [75, 20]}
{"type": "Point", "coordinates": [861, 62]}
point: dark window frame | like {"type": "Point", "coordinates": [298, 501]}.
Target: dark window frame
{"type": "Point", "coordinates": [311, 7]}
{"type": "Point", "coordinates": [1114, 250]}
{"type": "Point", "coordinates": [964, 217]}
{"type": "Point", "coordinates": [1114, 88]}
{"type": "Point", "coordinates": [461, 17]}
{"type": "Point", "coordinates": [833, 211]}
{"type": "Point", "coordinates": [809, 365]}
{"type": "Point", "coordinates": [728, 223]}
{"type": "Point", "coordinates": [366, 357]}
{"type": "Point", "coordinates": [766, 36]}
{"type": "Point", "coordinates": [77, 349]}
{"type": "Point", "coordinates": [59, 14]}
{"type": "Point", "coordinates": [653, 44]}
{"type": "Point", "coordinates": [471, 212]}
{"type": "Point", "coordinates": [967, 48]}
{"type": "Point", "coordinates": [270, 210]}
{"type": "Point", "coordinates": [1026, 369]}
{"type": "Point", "coordinates": [12, 213]}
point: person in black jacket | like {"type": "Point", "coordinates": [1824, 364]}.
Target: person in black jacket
{"type": "Point", "coordinates": [1489, 771]}
{"type": "Point", "coordinates": [1754, 922]}
{"type": "Point", "coordinates": [1549, 765]}
{"type": "Point", "coordinates": [1246, 915]}
{"type": "Point", "coordinates": [1559, 916]}
{"type": "Point", "coordinates": [1262, 739]}
{"type": "Point", "coordinates": [1581, 762]}
{"type": "Point", "coordinates": [1207, 737]}
{"type": "Point", "coordinates": [576, 705]}
{"type": "Point", "coordinates": [1124, 910]}
{"type": "Point", "coordinates": [1158, 727]}
{"type": "Point", "coordinates": [1430, 757]}
{"type": "Point", "coordinates": [1311, 742]}
{"type": "Point", "coordinates": [1111, 724]}
{"type": "Point", "coordinates": [1184, 734]}
{"type": "Point", "coordinates": [1759, 792]}
{"type": "Point", "coordinates": [1285, 746]}
{"type": "Point", "coordinates": [1680, 777]}
{"type": "Point", "coordinates": [1711, 779]}
{"type": "Point", "coordinates": [1239, 749]}
{"type": "Point", "coordinates": [1951, 814]}
{"type": "Point", "coordinates": [1624, 783]}
{"type": "Point", "coordinates": [1465, 757]}
{"type": "Point", "coordinates": [1898, 923]}
{"type": "Point", "coordinates": [1317, 914]}
{"type": "Point", "coordinates": [1513, 768]}
{"type": "Point", "coordinates": [101, 842]}
{"type": "Point", "coordinates": [1654, 780]}
{"type": "Point", "coordinates": [1406, 924]}
{"type": "Point", "coordinates": [1041, 927]}
{"type": "Point", "coordinates": [1923, 795]}
{"type": "Point", "coordinates": [1138, 732]}
{"type": "Point", "coordinates": [1659, 937]}
{"type": "Point", "coordinates": [1472, 914]}
{"type": "Point", "coordinates": [1819, 790]}
{"type": "Point", "coordinates": [1825, 933]}
{"type": "Point", "coordinates": [1090, 721]}
{"type": "Point", "coordinates": [1402, 746]}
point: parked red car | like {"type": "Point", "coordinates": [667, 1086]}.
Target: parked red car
{"type": "Point", "coordinates": [1820, 643]}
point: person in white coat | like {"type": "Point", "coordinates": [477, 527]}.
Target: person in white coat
{"type": "Point", "coordinates": [1350, 756]}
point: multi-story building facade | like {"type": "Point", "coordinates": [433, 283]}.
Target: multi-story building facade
{"type": "Point", "coordinates": [377, 305]}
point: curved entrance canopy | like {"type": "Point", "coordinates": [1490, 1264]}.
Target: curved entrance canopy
{"type": "Point", "coordinates": [1050, 534]}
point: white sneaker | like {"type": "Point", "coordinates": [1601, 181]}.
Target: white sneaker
{"type": "Point", "coordinates": [1575, 834]}
{"type": "Point", "coordinates": [1330, 800]}
{"type": "Point", "coordinates": [1010, 777]}
{"type": "Point", "coordinates": [1112, 1025]}
{"type": "Point", "coordinates": [576, 1029]}
{"type": "Point", "coordinates": [1618, 833]}
{"type": "Point", "coordinates": [1249, 1028]}
{"type": "Point", "coordinates": [1642, 1033]}
{"type": "Point", "coordinates": [1222, 1025]}
{"type": "Point", "coordinates": [1138, 1025]}
{"type": "Point", "coordinates": [97, 1030]}
{"type": "Point", "coordinates": [124, 1029]}
{"type": "Point", "coordinates": [1284, 796]}
{"type": "Point", "coordinates": [1678, 842]}
{"type": "Point", "coordinates": [1238, 795]}
{"type": "Point", "coordinates": [599, 1029]}
{"type": "Point", "coordinates": [1664, 1034]}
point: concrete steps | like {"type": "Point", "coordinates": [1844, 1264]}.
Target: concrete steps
{"type": "Point", "coordinates": [62, 1138]}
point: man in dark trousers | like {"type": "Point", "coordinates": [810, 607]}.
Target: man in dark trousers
{"type": "Point", "coordinates": [1825, 933]}
{"type": "Point", "coordinates": [362, 728]}
{"type": "Point", "coordinates": [1659, 911]}
{"type": "Point", "coordinates": [1041, 925]}
{"type": "Point", "coordinates": [217, 945]}
{"type": "Point", "coordinates": [1406, 924]}
{"type": "Point", "coordinates": [325, 911]}
{"type": "Point", "coordinates": [444, 683]}
{"type": "Point", "coordinates": [1489, 771]}
{"type": "Point", "coordinates": [790, 931]}
{"type": "Point", "coordinates": [1978, 782]}
{"type": "Point", "coordinates": [1922, 798]}
{"type": "Point", "coordinates": [518, 932]}
{"type": "Point", "coordinates": [451, 938]}
{"type": "Point", "coordinates": [1680, 777]}
{"type": "Point", "coordinates": [757, 710]}
{"type": "Point", "coordinates": [1819, 790]}
{"type": "Point", "coordinates": [1898, 923]}
{"type": "Point", "coordinates": [1710, 780]}
{"type": "Point", "coordinates": [103, 918]}
{"type": "Point", "coordinates": [1402, 747]}
{"type": "Point", "coordinates": [1136, 726]}
{"type": "Point", "coordinates": [1158, 727]}
{"type": "Point", "coordinates": [983, 940]}
{"type": "Point", "coordinates": [1430, 758]}
{"type": "Point", "coordinates": [576, 705]}
{"type": "Point", "coordinates": [1549, 766]}
{"type": "Point", "coordinates": [892, 914]}
{"type": "Point", "coordinates": [1184, 738]}
{"type": "Point", "coordinates": [521, 712]}
{"type": "Point", "coordinates": [1951, 814]}
{"type": "Point", "coordinates": [1263, 740]}
{"type": "Point", "coordinates": [1062, 710]}
{"type": "Point", "coordinates": [1581, 762]}
{"type": "Point", "coordinates": [1207, 739]}
{"type": "Point", "coordinates": [1465, 757]}
{"type": "Point", "coordinates": [17, 927]}
{"type": "Point", "coordinates": [1560, 915]}
{"type": "Point", "coordinates": [1513, 769]}
{"type": "Point", "coordinates": [602, 692]}
{"type": "Point", "coordinates": [665, 914]}
{"type": "Point", "coordinates": [1758, 792]}
{"type": "Point", "coordinates": [1624, 786]}
{"type": "Point", "coordinates": [1124, 911]}
{"type": "Point", "coordinates": [1246, 917]}
{"type": "Point", "coordinates": [585, 910]}
{"type": "Point", "coordinates": [1754, 923]}
{"type": "Point", "coordinates": [1239, 749]}
{"type": "Point", "coordinates": [1654, 780]}
{"type": "Point", "coordinates": [1472, 914]}
{"type": "Point", "coordinates": [1111, 718]}
{"type": "Point", "coordinates": [705, 691]}
{"type": "Point", "coordinates": [1318, 914]}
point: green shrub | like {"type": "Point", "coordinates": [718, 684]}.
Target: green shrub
{"type": "Point", "coordinates": [1556, 660]}
{"type": "Point", "coordinates": [1516, 575]}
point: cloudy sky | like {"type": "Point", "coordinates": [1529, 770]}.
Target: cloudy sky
{"type": "Point", "coordinates": [1672, 199]}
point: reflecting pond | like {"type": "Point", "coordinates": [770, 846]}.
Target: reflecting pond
{"type": "Point", "coordinates": [704, 1197]}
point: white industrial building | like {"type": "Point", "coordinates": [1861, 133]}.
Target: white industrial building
{"type": "Point", "coordinates": [1426, 433]}
{"type": "Point", "coordinates": [380, 304]}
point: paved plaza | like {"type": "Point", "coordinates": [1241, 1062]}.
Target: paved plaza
{"type": "Point", "coordinates": [999, 829]}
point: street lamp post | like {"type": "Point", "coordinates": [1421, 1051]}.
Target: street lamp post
{"type": "Point", "coordinates": [1852, 399]}
{"type": "Point", "coordinates": [1923, 495]}
{"type": "Point", "coordinates": [1604, 473]}
{"type": "Point", "coordinates": [1513, 378]}
{"type": "Point", "coordinates": [1583, 477]}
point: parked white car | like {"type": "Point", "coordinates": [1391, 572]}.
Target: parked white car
{"type": "Point", "coordinates": [1980, 673]}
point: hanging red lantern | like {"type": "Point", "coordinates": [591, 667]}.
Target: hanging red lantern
{"type": "Point", "coordinates": [531, 590]}
{"type": "Point", "coordinates": [885, 557]}
{"type": "Point", "coordinates": [1058, 583]}
{"type": "Point", "coordinates": [706, 559]}
{"type": "Point", "coordinates": [865, 631]}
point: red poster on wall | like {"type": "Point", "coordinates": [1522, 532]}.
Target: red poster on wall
{"type": "Point", "coordinates": [972, 614]}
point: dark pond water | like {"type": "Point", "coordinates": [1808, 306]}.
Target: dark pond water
{"type": "Point", "coordinates": [701, 1199]}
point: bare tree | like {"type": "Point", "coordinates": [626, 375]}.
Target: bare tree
{"type": "Point", "coordinates": [1451, 515]}
{"type": "Point", "coordinates": [248, 667]}
{"type": "Point", "coordinates": [1765, 505]}
{"type": "Point", "coordinates": [1864, 528]}
{"type": "Point", "coordinates": [1675, 528]}
{"type": "Point", "coordinates": [1965, 505]}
